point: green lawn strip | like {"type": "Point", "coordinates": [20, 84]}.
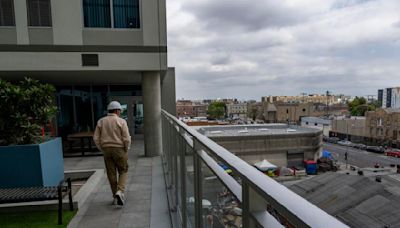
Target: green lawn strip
{"type": "Point", "coordinates": [42, 219]}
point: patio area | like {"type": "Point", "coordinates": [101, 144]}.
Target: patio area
{"type": "Point", "coordinates": [146, 198]}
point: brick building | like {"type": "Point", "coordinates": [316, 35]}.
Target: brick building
{"type": "Point", "coordinates": [187, 108]}
{"type": "Point", "coordinates": [383, 126]}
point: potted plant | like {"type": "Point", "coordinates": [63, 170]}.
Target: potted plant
{"type": "Point", "coordinates": [27, 157]}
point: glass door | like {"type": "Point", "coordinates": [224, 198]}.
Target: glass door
{"type": "Point", "coordinates": [132, 112]}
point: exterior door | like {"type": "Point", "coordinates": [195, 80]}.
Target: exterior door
{"type": "Point", "coordinates": [132, 112]}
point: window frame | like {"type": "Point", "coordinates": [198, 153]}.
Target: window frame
{"type": "Point", "coordinates": [13, 16]}
{"type": "Point", "coordinates": [112, 27]}
{"type": "Point", "coordinates": [39, 26]}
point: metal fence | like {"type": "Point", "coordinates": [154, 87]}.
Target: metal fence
{"type": "Point", "coordinates": [210, 187]}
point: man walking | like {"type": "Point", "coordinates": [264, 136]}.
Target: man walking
{"type": "Point", "coordinates": [112, 138]}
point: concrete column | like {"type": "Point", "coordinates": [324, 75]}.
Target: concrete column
{"type": "Point", "coordinates": [21, 21]}
{"type": "Point", "coordinates": [152, 113]}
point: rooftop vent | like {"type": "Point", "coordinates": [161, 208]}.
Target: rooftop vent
{"type": "Point", "coordinates": [263, 129]}
{"type": "Point", "coordinates": [215, 132]}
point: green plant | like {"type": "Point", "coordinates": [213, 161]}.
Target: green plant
{"type": "Point", "coordinates": [25, 108]}
{"type": "Point", "coordinates": [216, 110]}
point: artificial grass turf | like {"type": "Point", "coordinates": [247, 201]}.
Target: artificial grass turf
{"type": "Point", "coordinates": [42, 219]}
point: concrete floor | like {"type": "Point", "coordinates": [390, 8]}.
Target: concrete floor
{"type": "Point", "coordinates": [146, 199]}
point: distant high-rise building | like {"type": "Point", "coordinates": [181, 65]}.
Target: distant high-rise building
{"type": "Point", "coordinates": [389, 97]}
{"type": "Point", "coordinates": [380, 96]}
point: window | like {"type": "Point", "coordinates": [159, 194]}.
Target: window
{"type": "Point", "coordinates": [111, 13]}
{"type": "Point", "coordinates": [39, 13]}
{"type": "Point", "coordinates": [7, 13]}
{"type": "Point", "coordinates": [97, 13]}
{"type": "Point", "coordinates": [126, 14]}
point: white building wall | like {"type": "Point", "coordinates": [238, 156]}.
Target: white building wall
{"type": "Point", "coordinates": [21, 21]}
{"type": "Point", "coordinates": [384, 98]}
{"type": "Point", "coordinates": [396, 97]}
{"type": "Point", "coordinates": [67, 20]}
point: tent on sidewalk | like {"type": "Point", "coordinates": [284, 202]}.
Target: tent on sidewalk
{"type": "Point", "coordinates": [265, 165]}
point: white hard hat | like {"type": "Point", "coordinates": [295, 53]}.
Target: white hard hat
{"type": "Point", "coordinates": [114, 105]}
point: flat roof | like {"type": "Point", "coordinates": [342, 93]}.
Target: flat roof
{"type": "Point", "coordinates": [254, 130]}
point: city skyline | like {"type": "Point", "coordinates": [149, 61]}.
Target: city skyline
{"type": "Point", "coordinates": [248, 49]}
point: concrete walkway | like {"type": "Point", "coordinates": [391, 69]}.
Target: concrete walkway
{"type": "Point", "coordinates": [146, 199]}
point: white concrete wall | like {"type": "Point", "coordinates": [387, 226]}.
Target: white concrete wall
{"type": "Point", "coordinates": [68, 27]}
{"type": "Point", "coordinates": [67, 19]}
{"type": "Point", "coordinates": [396, 97]}
{"type": "Point", "coordinates": [21, 21]}
{"type": "Point", "coordinates": [42, 61]}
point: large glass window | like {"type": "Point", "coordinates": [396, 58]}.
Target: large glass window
{"type": "Point", "coordinates": [39, 13]}
{"type": "Point", "coordinates": [126, 14]}
{"type": "Point", "coordinates": [97, 13]}
{"type": "Point", "coordinates": [7, 13]}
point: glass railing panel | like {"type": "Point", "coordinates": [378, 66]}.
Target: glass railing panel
{"type": "Point", "coordinates": [220, 206]}
{"type": "Point", "coordinates": [189, 181]}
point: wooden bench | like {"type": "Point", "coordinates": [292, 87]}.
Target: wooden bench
{"type": "Point", "coordinates": [31, 194]}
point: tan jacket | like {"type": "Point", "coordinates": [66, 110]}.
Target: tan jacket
{"type": "Point", "coordinates": [112, 131]}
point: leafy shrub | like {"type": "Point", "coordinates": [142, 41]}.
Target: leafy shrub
{"type": "Point", "coordinates": [25, 108]}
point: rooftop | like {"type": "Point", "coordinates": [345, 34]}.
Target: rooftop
{"type": "Point", "coordinates": [254, 130]}
{"type": "Point", "coordinates": [358, 201]}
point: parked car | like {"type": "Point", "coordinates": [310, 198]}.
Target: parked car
{"type": "Point", "coordinates": [331, 139]}
{"type": "Point", "coordinates": [360, 146]}
{"type": "Point", "coordinates": [376, 149]}
{"type": "Point", "coordinates": [393, 153]}
{"type": "Point", "coordinates": [345, 143]}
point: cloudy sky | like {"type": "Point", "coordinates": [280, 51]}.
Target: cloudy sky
{"type": "Point", "coordinates": [252, 48]}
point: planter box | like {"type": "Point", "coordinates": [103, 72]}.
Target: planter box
{"type": "Point", "coordinates": [32, 165]}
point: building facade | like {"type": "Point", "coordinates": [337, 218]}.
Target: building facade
{"type": "Point", "coordinates": [383, 126]}
{"type": "Point", "coordinates": [280, 144]}
{"type": "Point", "coordinates": [324, 124]}
{"type": "Point", "coordinates": [310, 98]}
{"type": "Point", "coordinates": [187, 108]}
{"type": "Point", "coordinates": [293, 112]}
{"type": "Point", "coordinates": [389, 97]}
{"type": "Point", "coordinates": [93, 51]}
{"type": "Point", "coordinates": [353, 128]}
{"type": "Point", "coordinates": [238, 110]}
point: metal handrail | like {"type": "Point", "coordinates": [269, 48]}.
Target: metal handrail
{"type": "Point", "coordinates": [299, 211]}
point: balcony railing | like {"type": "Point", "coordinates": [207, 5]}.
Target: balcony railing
{"type": "Point", "coordinates": [211, 187]}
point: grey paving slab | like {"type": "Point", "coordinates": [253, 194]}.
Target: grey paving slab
{"type": "Point", "coordinates": [141, 180]}
{"type": "Point", "coordinates": [102, 221]}
{"type": "Point", "coordinates": [137, 212]}
{"type": "Point", "coordinates": [138, 195]}
{"type": "Point", "coordinates": [134, 220]}
{"type": "Point", "coordinates": [139, 187]}
{"type": "Point", "coordinates": [137, 206]}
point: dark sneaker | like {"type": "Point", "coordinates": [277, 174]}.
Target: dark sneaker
{"type": "Point", "coordinates": [120, 198]}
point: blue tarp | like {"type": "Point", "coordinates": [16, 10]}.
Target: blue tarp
{"type": "Point", "coordinates": [327, 154]}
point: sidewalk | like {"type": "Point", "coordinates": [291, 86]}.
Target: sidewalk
{"type": "Point", "coordinates": [146, 200]}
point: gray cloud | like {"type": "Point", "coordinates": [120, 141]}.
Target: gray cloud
{"type": "Point", "coordinates": [248, 15]}
{"type": "Point", "coordinates": [348, 3]}
{"type": "Point", "coordinates": [248, 49]}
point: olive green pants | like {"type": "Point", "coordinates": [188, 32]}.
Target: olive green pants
{"type": "Point", "coordinates": [116, 160]}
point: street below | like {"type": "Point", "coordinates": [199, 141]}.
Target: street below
{"type": "Point", "coordinates": [359, 158]}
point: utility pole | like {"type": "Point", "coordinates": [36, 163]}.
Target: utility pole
{"type": "Point", "coordinates": [304, 95]}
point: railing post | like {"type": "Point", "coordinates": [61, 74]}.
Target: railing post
{"type": "Point", "coordinates": [198, 186]}
{"type": "Point", "coordinates": [175, 151]}
{"type": "Point", "coordinates": [182, 154]}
